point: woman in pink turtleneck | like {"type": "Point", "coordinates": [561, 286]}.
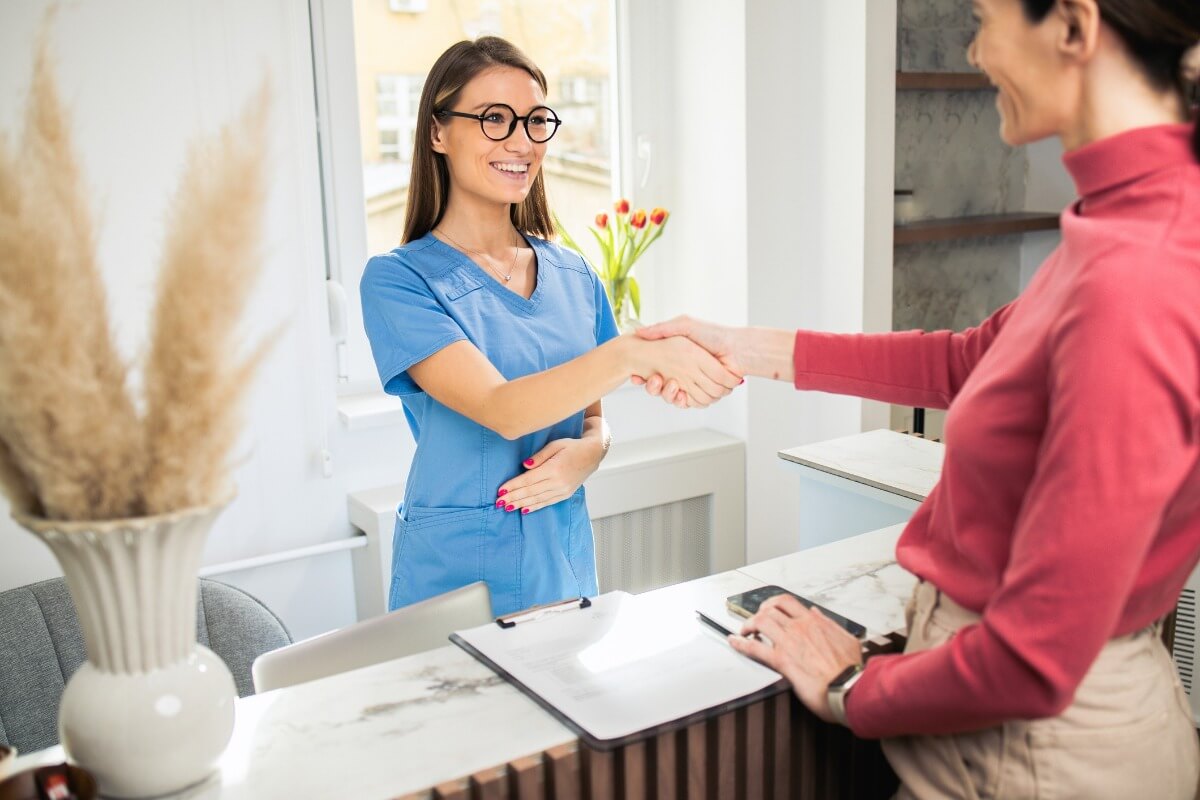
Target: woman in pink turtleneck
{"type": "Point", "coordinates": [1067, 518]}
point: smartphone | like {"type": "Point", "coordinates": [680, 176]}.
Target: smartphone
{"type": "Point", "coordinates": [746, 605]}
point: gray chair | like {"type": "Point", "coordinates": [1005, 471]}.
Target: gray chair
{"type": "Point", "coordinates": [41, 647]}
{"type": "Point", "coordinates": [413, 629]}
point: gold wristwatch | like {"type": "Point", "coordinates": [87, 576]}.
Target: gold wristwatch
{"type": "Point", "coordinates": [839, 687]}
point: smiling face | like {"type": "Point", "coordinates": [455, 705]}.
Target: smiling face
{"type": "Point", "coordinates": [1037, 88]}
{"type": "Point", "coordinates": [498, 172]}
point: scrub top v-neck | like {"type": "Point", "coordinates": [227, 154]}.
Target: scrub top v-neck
{"type": "Point", "coordinates": [420, 298]}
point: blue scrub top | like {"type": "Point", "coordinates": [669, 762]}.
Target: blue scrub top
{"type": "Point", "coordinates": [418, 299]}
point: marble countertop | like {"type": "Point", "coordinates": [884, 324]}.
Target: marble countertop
{"type": "Point", "coordinates": [894, 462]}
{"type": "Point", "coordinates": [856, 577]}
{"type": "Point", "coordinates": [405, 725]}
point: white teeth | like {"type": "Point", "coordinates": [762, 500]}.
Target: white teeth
{"type": "Point", "coordinates": [521, 168]}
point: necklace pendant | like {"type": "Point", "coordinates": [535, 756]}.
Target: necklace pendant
{"type": "Point", "coordinates": [507, 278]}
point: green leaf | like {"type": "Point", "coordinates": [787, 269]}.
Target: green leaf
{"type": "Point", "coordinates": [635, 294]}
{"type": "Point", "coordinates": [605, 252]}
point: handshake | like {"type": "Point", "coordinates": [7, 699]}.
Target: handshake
{"type": "Point", "coordinates": [690, 363]}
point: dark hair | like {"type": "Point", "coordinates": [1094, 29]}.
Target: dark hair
{"type": "Point", "coordinates": [429, 186]}
{"type": "Point", "coordinates": [1158, 33]}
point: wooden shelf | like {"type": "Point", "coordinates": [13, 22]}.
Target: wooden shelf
{"type": "Point", "coordinates": [945, 81]}
{"type": "Point", "coordinates": [937, 230]}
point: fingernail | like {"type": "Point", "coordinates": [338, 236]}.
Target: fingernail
{"type": "Point", "coordinates": [743, 380]}
{"type": "Point", "coordinates": [501, 493]}
{"type": "Point", "coordinates": [529, 462]}
{"type": "Point", "coordinates": [499, 503]}
{"type": "Point", "coordinates": [524, 510]}
{"type": "Point", "coordinates": [509, 507]}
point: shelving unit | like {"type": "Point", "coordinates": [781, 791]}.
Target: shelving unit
{"type": "Point", "coordinates": [937, 230]}
{"type": "Point", "coordinates": [942, 81]}
{"type": "Point", "coordinates": [921, 88]}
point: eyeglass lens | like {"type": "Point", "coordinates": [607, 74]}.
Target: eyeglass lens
{"type": "Point", "coordinates": [499, 121]}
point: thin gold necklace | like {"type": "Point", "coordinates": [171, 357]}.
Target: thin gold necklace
{"type": "Point", "coordinates": [487, 258]}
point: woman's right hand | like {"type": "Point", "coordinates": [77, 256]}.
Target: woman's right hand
{"type": "Point", "coordinates": [718, 340]}
{"type": "Point", "coordinates": [699, 376]}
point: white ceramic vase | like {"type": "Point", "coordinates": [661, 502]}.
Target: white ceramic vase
{"type": "Point", "coordinates": [150, 711]}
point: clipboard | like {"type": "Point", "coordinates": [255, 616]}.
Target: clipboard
{"type": "Point", "coordinates": [585, 662]}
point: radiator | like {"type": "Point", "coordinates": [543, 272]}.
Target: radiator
{"type": "Point", "coordinates": [654, 547]}
{"type": "Point", "coordinates": [664, 510]}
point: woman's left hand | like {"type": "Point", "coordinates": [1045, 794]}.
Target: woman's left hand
{"type": "Point", "coordinates": [806, 647]}
{"type": "Point", "coordinates": [552, 474]}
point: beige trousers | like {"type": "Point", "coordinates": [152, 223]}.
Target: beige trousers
{"type": "Point", "coordinates": [1128, 733]}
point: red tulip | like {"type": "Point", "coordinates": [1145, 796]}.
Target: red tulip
{"type": "Point", "coordinates": [658, 216]}
{"type": "Point", "coordinates": [602, 221]}
{"type": "Point", "coordinates": [621, 206]}
{"type": "Point", "coordinates": [638, 220]}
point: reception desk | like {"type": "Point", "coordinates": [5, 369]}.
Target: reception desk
{"type": "Point", "coordinates": [440, 724]}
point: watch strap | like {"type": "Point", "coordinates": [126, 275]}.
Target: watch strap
{"type": "Point", "coordinates": [839, 687]}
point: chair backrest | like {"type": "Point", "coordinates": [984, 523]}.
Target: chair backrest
{"type": "Point", "coordinates": [403, 632]}
{"type": "Point", "coordinates": [41, 646]}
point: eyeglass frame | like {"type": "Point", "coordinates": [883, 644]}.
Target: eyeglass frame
{"type": "Point", "coordinates": [512, 125]}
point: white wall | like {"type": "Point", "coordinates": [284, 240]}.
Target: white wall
{"type": "Point", "coordinates": [141, 81]}
{"type": "Point", "coordinates": [810, 104]}
{"type": "Point", "coordinates": [1048, 187]}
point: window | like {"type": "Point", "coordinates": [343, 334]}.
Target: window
{"type": "Point", "coordinates": [568, 39]}
{"type": "Point", "coordinates": [408, 6]}
{"type": "Point", "coordinates": [381, 58]}
{"type": "Point", "coordinates": [396, 101]}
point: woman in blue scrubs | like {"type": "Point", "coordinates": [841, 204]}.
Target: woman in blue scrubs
{"type": "Point", "coordinates": [500, 345]}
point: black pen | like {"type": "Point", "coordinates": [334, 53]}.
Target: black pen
{"type": "Point", "coordinates": [719, 628]}
{"type": "Point", "coordinates": [712, 623]}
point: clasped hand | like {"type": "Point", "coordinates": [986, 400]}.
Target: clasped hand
{"type": "Point", "coordinates": [697, 376]}
{"type": "Point", "coordinates": [668, 383]}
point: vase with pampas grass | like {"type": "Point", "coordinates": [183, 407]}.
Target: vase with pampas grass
{"type": "Point", "coordinates": [124, 491]}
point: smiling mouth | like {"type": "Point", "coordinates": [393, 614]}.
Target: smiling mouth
{"type": "Point", "coordinates": [513, 170]}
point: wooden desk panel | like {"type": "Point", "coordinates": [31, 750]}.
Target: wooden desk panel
{"type": "Point", "coordinates": [773, 749]}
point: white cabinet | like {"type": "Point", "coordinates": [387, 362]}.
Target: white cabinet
{"type": "Point", "coordinates": [860, 483]}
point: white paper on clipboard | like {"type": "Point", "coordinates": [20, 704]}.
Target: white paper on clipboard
{"type": "Point", "coordinates": [622, 665]}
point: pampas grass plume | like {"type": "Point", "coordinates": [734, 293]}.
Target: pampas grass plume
{"type": "Point", "coordinates": [72, 443]}
{"type": "Point", "coordinates": [66, 418]}
{"type": "Point", "coordinates": [211, 261]}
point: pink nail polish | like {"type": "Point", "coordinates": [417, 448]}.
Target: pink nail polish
{"type": "Point", "coordinates": [499, 503]}
{"type": "Point", "coordinates": [501, 493]}
{"type": "Point", "coordinates": [743, 380]}
{"type": "Point", "coordinates": [529, 462]}
{"type": "Point", "coordinates": [524, 510]}
{"type": "Point", "coordinates": [509, 507]}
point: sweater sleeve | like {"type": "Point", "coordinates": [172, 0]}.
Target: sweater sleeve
{"type": "Point", "coordinates": [1120, 440]}
{"type": "Point", "coordinates": [911, 368]}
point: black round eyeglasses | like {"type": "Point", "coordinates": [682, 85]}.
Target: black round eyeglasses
{"type": "Point", "coordinates": [500, 120]}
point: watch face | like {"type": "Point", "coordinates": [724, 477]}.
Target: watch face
{"type": "Point", "coordinates": [845, 675]}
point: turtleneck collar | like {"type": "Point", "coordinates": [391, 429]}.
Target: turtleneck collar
{"type": "Point", "coordinates": [1117, 160]}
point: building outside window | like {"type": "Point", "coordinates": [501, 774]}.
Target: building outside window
{"type": "Point", "coordinates": [396, 101]}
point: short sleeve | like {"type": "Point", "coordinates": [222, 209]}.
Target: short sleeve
{"type": "Point", "coordinates": [606, 323]}
{"type": "Point", "coordinates": [404, 320]}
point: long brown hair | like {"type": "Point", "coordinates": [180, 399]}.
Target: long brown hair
{"type": "Point", "coordinates": [429, 186]}
{"type": "Point", "coordinates": [1158, 33]}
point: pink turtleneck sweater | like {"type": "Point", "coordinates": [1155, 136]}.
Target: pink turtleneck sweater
{"type": "Point", "coordinates": [1068, 511]}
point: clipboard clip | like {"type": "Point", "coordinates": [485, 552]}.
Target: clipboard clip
{"type": "Point", "coordinates": [529, 614]}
